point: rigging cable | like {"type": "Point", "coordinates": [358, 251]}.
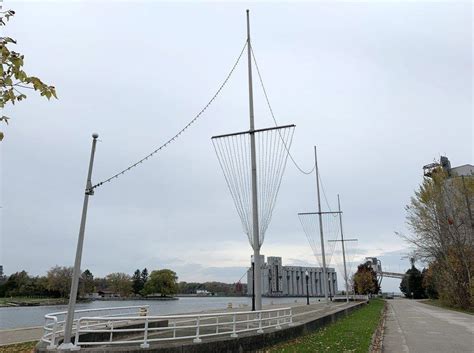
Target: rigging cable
{"type": "Point", "coordinates": [273, 115]}
{"type": "Point", "coordinates": [276, 124]}
{"type": "Point", "coordinates": [172, 139]}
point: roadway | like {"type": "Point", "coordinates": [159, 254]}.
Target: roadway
{"type": "Point", "coordinates": [414, 327]}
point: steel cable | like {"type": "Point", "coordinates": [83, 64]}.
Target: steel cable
{"type": "Point", "coordinates": [172, 139]}
{"type": "Point", "coordinates": [276, 124]}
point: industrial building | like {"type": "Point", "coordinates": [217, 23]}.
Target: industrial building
{"type": "Point", "coordinates": [281, 281]}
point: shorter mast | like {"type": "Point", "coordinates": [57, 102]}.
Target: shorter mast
{"type": "Point", "coordinates": [325, 276]}
{"type": "Point", "coordinates": [343, 248]}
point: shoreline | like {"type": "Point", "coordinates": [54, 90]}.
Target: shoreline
{"type": "Point", "coordinates": [35, 302]}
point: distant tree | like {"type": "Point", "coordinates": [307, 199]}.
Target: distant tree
{"type": "Point", "coordinates": [16, 284]}
{"type": "Point", "coordinates": [13, 79]}
{"type": "Point", "coordinates": [163, 282]}
{"type": "Point", "coordinates": [365, 280]}
{"type": "Point", "coordinates": [412, 284]}
{"type": "Point", "coordinates": [87, 282]}
{"type": "Point", "coordinates": [120, 283]}
{"type": "Point", "coordinates": [189, 288]}
{"type": "Point", "coordinates": [21, 284]}
{"type": "Point", "coordinates": [231, 289]}
{"type": "Point", "coordinates": [442, 232]}
{"type": "Point", "coordinates": [137, 282]}
{"type": "Point", "coordinates": [59, 280]}
{"type": "Point", "coordinates": [144, 276]}
{"type": "Point", "coordinates": [100, 284]}
{"type": "Point", "coordinates": [429, 282]}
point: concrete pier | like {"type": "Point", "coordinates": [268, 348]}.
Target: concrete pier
{"type": "Point", "coordinates": [306, 318]}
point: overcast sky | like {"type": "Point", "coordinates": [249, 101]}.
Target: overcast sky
{"type": "Point", "coordinates": [380, 88]}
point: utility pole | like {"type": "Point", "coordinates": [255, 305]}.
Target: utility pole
{"type": "Point", "coordinates": [343, 247]}
{"type": "Point", "coordinates": [255, 229]}
{"type": "Point", "coordinates": [67, 344]}
{"type": "Point", "coordinates": [325, 281]}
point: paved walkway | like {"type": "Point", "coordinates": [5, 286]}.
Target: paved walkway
{"type": "Point", "coordinates": [20, 335]}
{"type": "Point", "coordinates": [414, 327]}
{"type": "Point", "coordinates": [301, 313]}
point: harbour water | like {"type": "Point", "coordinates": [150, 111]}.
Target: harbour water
{"type": "Point", "coordinates": [19, 317]}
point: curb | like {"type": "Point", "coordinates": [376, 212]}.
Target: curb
{"type": "Point", "coordinates": [376, 344]}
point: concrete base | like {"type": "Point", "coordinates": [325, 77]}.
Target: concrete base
{"type": "Point", "coordinates": [67, 347]}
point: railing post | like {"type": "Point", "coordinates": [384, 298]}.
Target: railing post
{"type": "Point", "coordinates": [52, 345]}
{"type": "Point", "coordinates": [233, 334]}
{"type": "Point", "coordinates": [174, 329]}
{"type": "Point", "coordinates": [291, 318]}
{"type": "Point", "coordinates": [217, 324]}
{"type": "Point", "coordinates": [111, 325]}
{"type": "Point", "coordinates": [260, 323]}
{"type": "Point", "coordinates": [197, 339]}
{"type": "Point", "coordinates": [145, 336]}
{"type": "Point", "coordinates": [248, 321]}
{"type": "Point", "coordinates": [278, 327]}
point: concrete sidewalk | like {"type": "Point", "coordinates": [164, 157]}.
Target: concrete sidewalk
{"type": "Point", "coordinates": [20, 335]}
{"type": "Point", "coordinates": [301, 313]}
{"type": "Point", "coordinates": [414, 327]}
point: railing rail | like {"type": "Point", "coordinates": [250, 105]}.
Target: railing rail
{"type": "Point", "coordinates": [144, 329]}
{"type": "Point", "coordinates": [54, 322]}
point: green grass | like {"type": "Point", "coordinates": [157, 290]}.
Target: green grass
{"type": "Point", "coordinates": [26, 347]}
{"type": "Point", "coordinates": [438, 303]}
{"type": "Point", "coordinates": [33, 300]}
{"type": "Point", "coordinates": [350, 334]}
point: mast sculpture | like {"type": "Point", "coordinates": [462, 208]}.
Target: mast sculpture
{"type": "Point", "coordinates": [253, 163]}
{"type": "Point", "coordinates": [325, 272]}
{"type": "Point", "coordinates": [256, 248]}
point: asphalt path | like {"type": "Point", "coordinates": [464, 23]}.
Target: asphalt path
{"type": "Point", "coordinates": [414, 327]}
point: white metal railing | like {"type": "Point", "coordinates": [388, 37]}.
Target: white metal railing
{"type": "Point", "coordinates": [144, 329]}
{"type": "Point", "coordinates": [55, 322]}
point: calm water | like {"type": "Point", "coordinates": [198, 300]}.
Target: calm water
{"type": "Point", "coordinates": [16, 317]}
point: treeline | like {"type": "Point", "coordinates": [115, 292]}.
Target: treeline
{"type": "Point", "coordinates": [216, 288]}
{"type": "Point", "coordinates": [57, 284]}
{"type": "Point", "coordinates": [419, 285]}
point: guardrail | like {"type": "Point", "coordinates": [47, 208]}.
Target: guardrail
{"type": "Point", "coordinates": [144, 329]}
{"type": "Point", "coordinates": [55, 322]}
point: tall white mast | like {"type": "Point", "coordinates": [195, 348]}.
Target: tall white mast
{"type": "Point", "coordinates": [256, 238]}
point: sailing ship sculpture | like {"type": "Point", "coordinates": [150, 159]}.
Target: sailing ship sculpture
{"type": "Point", "coordinates": [253, 163]}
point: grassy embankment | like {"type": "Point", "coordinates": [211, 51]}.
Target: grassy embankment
{"type": "Point", "coordinates": [438, 303]}
{"type": "Point", "coordinates": [350, 334]}
{"type": "Point", "coordinates": [26, 347]}
{"type": "Point", "coordinates": [31, 301]}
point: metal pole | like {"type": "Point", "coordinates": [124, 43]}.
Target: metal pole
{"type": "Point", "coordinates": [67, 345]}
{"type": "Point", "coordinates": [307, 288]}
{"type": "Point", "coordinates": [321, 228]}
{"type": "Point", "coordinates": [253, 286]}
{"type": "Point", "coordinates": [343, 249]}
{"type": "Point", "coordinates": [256, 237]}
